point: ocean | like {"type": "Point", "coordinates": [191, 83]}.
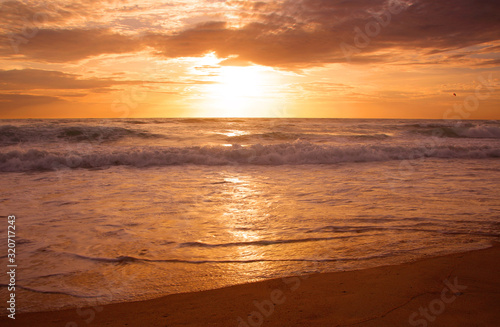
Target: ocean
{"type": "Point", "coordinates": [114, 210]}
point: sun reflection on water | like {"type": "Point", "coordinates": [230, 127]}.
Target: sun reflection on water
{"type": "Point", "coordinates": [244, 214]}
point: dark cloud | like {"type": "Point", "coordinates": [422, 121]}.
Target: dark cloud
{"type": "Point", "coordinates": [311, 32]}
{"type": "Point", "coordinates": [255, 42]}
{"type": "Point", "coordinates": [64, 45]}
{"type": "Point", "coordinates": [292, 33]}
{"type": "Point", "coordinates": [35, 79]}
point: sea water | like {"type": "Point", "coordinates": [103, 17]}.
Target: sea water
{"type": "Point", "coordinates": [127, 209]}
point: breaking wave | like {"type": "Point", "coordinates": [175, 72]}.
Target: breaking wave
{"type": "Point", "coordinates": [297, 153]}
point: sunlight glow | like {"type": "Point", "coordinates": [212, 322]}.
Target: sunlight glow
{"type": "Point", "coordinates": [234, 132]}
{"type": "Point", "coordinates": [240, 92]}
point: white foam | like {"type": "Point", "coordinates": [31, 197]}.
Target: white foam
{"type": "Point", "coordinates": [298, 153]}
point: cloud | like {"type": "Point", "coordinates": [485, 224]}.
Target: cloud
{"type": "Point", "coordinates": [63, 45]}
{"type": "Point", "coordinates": [255, 42]}
{"type": "Point", "coordinates": [310, 32]}
{"type": "Point", "coordinates": [35, 79]}
{"type": "Point", "coordinates": [235, 61]}
{"type": "Point", "coordinates": [9, 102]}
{"type": "Point", "coordinates": [292, 33]}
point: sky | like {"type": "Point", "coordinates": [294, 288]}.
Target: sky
{"type": "Point", "coordinates": [421, 59]}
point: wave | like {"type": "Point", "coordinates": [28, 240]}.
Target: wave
{"type": "Point", "coordinates": [481, 132]}
{"type": "Point", "coordinates": [379, 136]}
{"type": "Point", "coordinates": [419, 228]}
{"type": "Point", "coordinates": [73, 294]}
{"type": "Point", "coordinates": [283, 136]}
{"type": "Point", "coordinates": [10, 134]}
{"type": "Point", "coordinates": [128, 259]}
{"type": "Point", "coordinates": [137, 122]}
{"type": "Point", "coordinates": [262, 242]}
{"type": "Point", "coordinates": [208, 120]}
{"type": "Point", "coordinates": [464, 130]}
{"type": "Point", "coordinates": [268, 136]}
{"type": "Point", "coordinates": [298, 153]}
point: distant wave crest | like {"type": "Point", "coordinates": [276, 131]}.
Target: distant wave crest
{"type": "Point", "coordinates": [10, 134]}
{"type": "Point", "coordinates": [290, 137]}
{"type": "Point", "coordinates": [465, 130]}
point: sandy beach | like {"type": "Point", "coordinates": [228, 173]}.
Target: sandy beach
{"type": "Point", "coordinates": [454, 290]}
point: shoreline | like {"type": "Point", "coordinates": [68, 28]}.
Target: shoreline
{"type": "Point", "coordinates": [461, 289]}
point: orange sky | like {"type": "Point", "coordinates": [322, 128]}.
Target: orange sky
{"type": "Point", "coordinates": [216, 58]}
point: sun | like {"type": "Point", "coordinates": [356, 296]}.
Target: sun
{"type": "Point", "coordinates": [239, 92]}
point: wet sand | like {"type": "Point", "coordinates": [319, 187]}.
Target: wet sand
{"type": "Point", "coordinates": [454, 290]}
